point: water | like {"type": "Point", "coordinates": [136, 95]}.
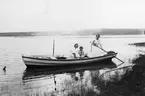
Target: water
{"type": "Point", "coordinates": [77, 81]}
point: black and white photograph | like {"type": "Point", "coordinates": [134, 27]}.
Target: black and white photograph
{"type": "Point", "coordinates": [72, 47]}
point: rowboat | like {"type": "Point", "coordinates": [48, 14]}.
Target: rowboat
{"type": "Point", "coordinates": [38, 61]}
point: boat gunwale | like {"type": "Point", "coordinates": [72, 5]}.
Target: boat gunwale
{"type": "Point", "coordinates": [113, 55]}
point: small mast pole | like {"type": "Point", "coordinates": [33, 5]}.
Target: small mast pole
{"type": "Point", "coordinates": [53, 46]}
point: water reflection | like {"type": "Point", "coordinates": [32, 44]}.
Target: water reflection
{"type": "Point", "coordinates": [40, 72]}
{"type": "Point", "coordinates": [76, 80]}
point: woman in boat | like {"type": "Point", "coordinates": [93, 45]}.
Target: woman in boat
{"type": "Point", "coordinates": [96, 42]}
{"type": "Point", "coordinates": [97, 50]}
{"type": "Point", "coordinates": [75, 51]}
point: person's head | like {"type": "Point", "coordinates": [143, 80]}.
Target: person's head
{"type": "Point", "coordinates": [81, 48]}
{"type": "Point", "coordinates": [76, 45]}
{"type": "Point", "coordinates": [97, 36]}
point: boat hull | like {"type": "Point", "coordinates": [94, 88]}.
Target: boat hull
{"type": "Point", "coordinates": [42, 62]}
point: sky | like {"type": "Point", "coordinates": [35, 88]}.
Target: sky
{"type": "Point", "coordinates": [70, 15]}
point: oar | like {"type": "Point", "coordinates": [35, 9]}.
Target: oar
{"type": "Point", "coordinates": [107, 52]}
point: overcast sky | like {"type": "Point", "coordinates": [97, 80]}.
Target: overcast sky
{"type": "Point", "coordinates": [68, 15]}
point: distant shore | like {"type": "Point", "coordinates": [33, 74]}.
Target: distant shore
{"type": "Point", "coordinates": [88, 32]}
{"type": "Point", "coordinates": [140, 44]}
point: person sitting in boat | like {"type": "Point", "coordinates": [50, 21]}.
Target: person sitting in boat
{"type": "Point", "coordinates": [75, 51]}
{"type": "Point", "coordinates": [82, 53]}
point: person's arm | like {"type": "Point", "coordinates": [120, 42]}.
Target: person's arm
{"type": "Point", "coordinates": [83, 53]}
{"type": "Point", "coordinates": [97, 44]}
{"type": "Point", "coordinates": [100, 44]}
{"type": "Point", "coordinates": [94, 43]}
{"type": "Point", "coordinates": [74, 55]}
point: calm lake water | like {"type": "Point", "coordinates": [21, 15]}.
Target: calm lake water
{"type": "Point", "coordinates": [120, 80]}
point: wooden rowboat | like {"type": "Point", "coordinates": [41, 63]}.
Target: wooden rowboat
{"type": "Point", "coordinates": [37, 61]}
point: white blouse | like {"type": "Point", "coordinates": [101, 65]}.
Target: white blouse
{"type": "Point", "coordinates": [97, 43]}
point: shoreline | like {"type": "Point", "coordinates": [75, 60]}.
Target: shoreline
{"type": "Point", "coordinates": [33, 34]}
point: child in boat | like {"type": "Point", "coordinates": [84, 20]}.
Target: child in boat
{"type": "Point", "coordinates": [81, 52]}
